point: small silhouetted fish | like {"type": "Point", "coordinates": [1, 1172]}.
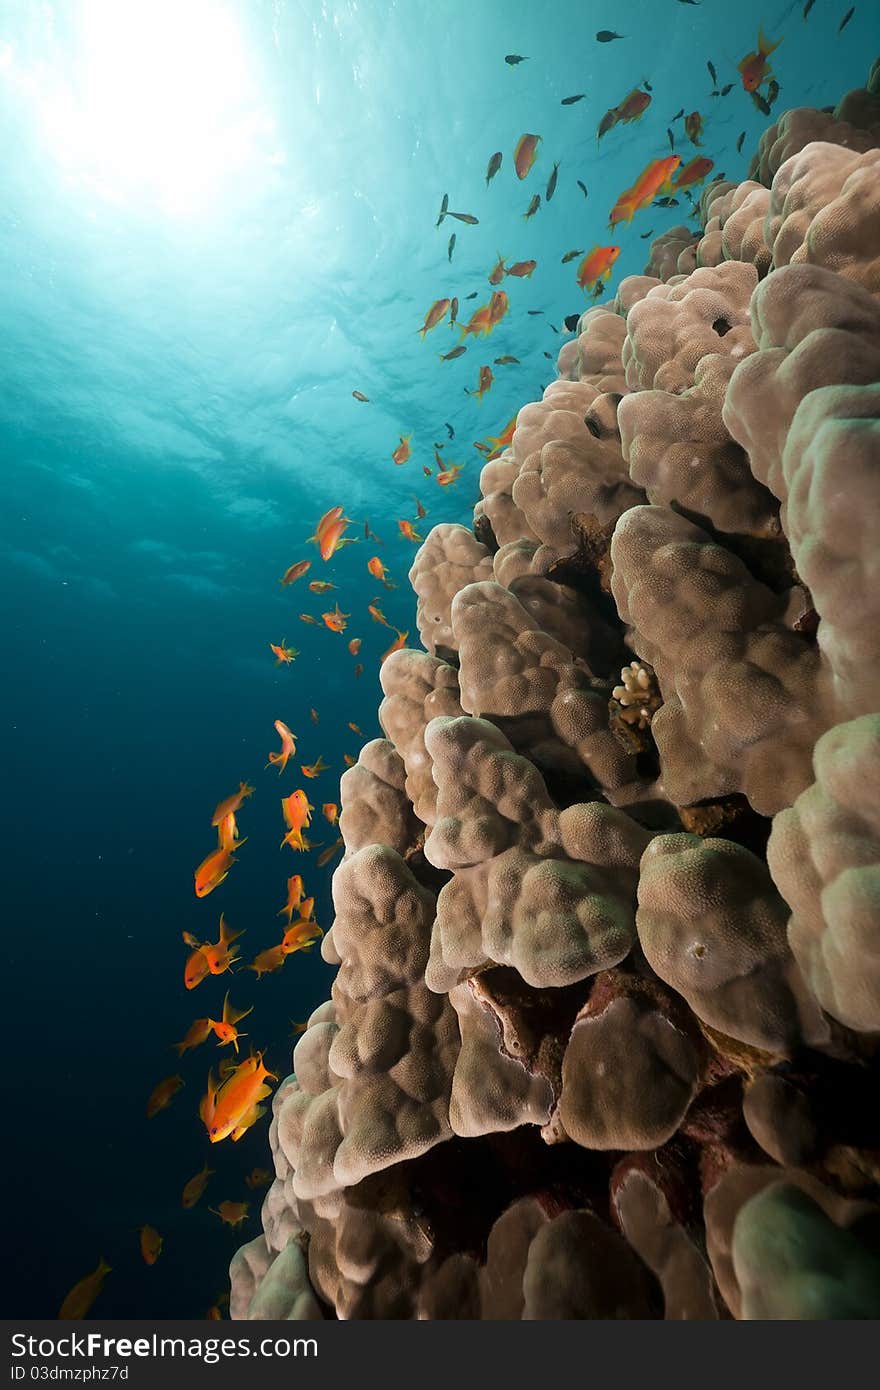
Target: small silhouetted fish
{"type": "Point", "coordinates": [846, 19]}
{"type": "Point", "coordinates": [808, 6]}
{"type": "Point", "coordinates": [555, 329]}
{"type": "Point", "coordinates": [533, 206]}
{"type": "Point", "coordinates": [761, 103]}
{"type": "Point", "coordinates": [465, 217]}
{"type": "Point", "coordinates": [453, 312]}
{"type": "Point", "coordinates": [712, 73]}
{"type": "Point", "coordinates": [571, 256]}
{"type": "Point", "coordinates": [570, 101]}
{"type": "Point", "coordinates": [678, 115]}
{"type": "Point", "coordinates": [583, 188]}
{"type": "Point", "coordinates": [493, 166]}
{"type": "Point", "coordinates": [472, 295]}
{"type": "Point", "coordinates": [359, 396]}
{"type": "Point", "coordinates": [645, 235]}
{"type": "Point", "coordinates": [451, 247]}
{"type": "Point", "coordinates": [443, 206]}
{"type": "Point", "coordinates": [646, 84]}
{"type": "Point", "coordinates": [449, 429]}
{"type": "Point", "coordinates": [670, 137]}
{"type": "Point", "coordinates": [571, 321]}
{"type": "Point", "coordinates": [772, 91]}
{"type": "Point", "coordinates": [505, 361]}
{"type": "Point", "coordinates": [726, 89]}
{"type": "Point", "coordinates": [533, 312]}
{"type": "Point", "coordinates": [551, 184]}
{"type": "Point", "coordinates": [453, 353]}
{"type": "Point", "coordinates": [606, 36]}
{"type": "Point", "coordinates": [549, 354]}
{"type": "Point", "coordinates": [511, 59]}
{"type": "Point", "coordinates": [740, 141]}
{"type": "Point", "coordinates": [667, 202]}
{"type": "Point", "coordinates": [689, 2]}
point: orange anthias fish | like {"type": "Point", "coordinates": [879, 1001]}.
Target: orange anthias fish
{"type": "Point", "coordinates": [501, 441]}
{"type": "Point", "coordinates": [197, 1033]}
{"type": "Point", "coordinates": [233, 1107]}
{"type": "Point", "coordinates": [356, 729]}
{"type": "Point", "coordinates": [224, 1028]}
{"type": "Point", "coordinates": [596, 265]}
{"type": "Point", "coordinates": [227, 834]}
{"type": "Point", "coordinates": [314, 769]}
{"type": "Point", "coordinates": [233, 1213]}
{"type": "Point", "coordinates": [434, 315]}
{"type": "Point", "coordinates": [267, 961]}
{"type": "Point", "coordinates": [479, 322]}
{"type": "Point", "coordinates": [358, 670]}
{"type": "Point", "coordinates": [307, 618]}
{"type": "Point", "coordinates": [655, 178]}
{"type": "Point", "coordinates": [354, 645]}
{"type": "Point", "coordinates": [694, 172]}
{"type": "Point", "coordinates": [314, 716]}
{"type": "Point", "coordinates": [635, 106]}
{"type": "Point", "coordinates": [321, 586]}
{"type": "Point", "coordinates": [334, 539]}
{"type": "Point", "coordinates": [194, 1189]}
{"type": "Point", "coordinates": [307, 908]}
{"type": "Point", "coordinates": [295, 572]}
{"type": "Point", "coordinates": [288, 747]}
{"type": "Point", "coordinates": [754, 68]}
{"type": "Point", "coordinates": [498, 306]}
{"type": "Point", "coordinates": [486, 379]}
{"type": "Point", "coordinates": [408, 531]}
{"type": "Point", "coordinates": [161, 1096]}
{"type": "Point", "coordinates": [295, 891]}
{"type": "Point", "coordinates": [285, 655]}
{"type": "Point", "coordinates": [336, 620]}
{"type": "Point", "coordinates": [403, 451]}
{"type": "Point", "coordinates": [233, 803]}
{"type": "Point", "coordinates": [449, 475]}
{"type": "Point", "coordinates": [693, 127]}
{"type": "Point", "coordinates": [330, 812]}
{"type": "Point", "coordinates": [522, 269]}
{"type": "Point", "coordinates": [525, 154]}
{"type": "Point", "coordinates": [498, 272]}
{"type": "Point", "coordinates": [329, 532]}
{"type": "Point", "coordinates": [213, 869]}
{"type": "Point", "coordinates": [396, 645]}
{"type": "Point", "coordinates": [378, 571]}
{"type": "Point", "coordinates": [258, 1177]}
{"type": "Point", "coordinates": [151, 1244]}
{"type": "Point", "coordinates": [376, 614]}
{"type": "Point", "coordinates": [220, 954]}
{"type": "Point", "coordinates": [300, 936]}
{"type": "Point", "coordinates": [83, 1294]}
{"type": "Point", "coordinates": [297, 815]}
{"type": "Point", "coordinates": [420, 510]}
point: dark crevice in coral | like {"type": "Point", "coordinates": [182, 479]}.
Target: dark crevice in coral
{"type": "Point", "coordinates": [730, 817]}
{"type": "Point", "coordinates": [485, 535]}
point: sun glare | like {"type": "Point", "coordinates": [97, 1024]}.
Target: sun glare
{"type": "Point", "coordinates": [160, 104]}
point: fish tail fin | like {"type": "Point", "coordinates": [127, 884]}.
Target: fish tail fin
{"type": "Point", "coordinates": [765, 47]}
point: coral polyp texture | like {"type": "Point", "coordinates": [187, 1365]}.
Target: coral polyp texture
{"type": "Point", "coordinates": [604, 1038]}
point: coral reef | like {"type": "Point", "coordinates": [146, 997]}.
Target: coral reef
{"type": "Point", "coordinates": [604, 1040]}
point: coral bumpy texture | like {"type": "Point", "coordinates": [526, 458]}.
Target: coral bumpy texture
{"type": "Point", "coordinates": [603, 1040]}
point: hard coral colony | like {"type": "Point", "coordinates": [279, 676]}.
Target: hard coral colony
{"type": "Point", "coordinates": [615, 860]}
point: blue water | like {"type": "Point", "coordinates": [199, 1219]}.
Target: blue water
{"type": "Point", "coordinates": [217, 220]}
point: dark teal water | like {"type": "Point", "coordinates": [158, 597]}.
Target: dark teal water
{"type": "Point", "coordinates": [217, 221]}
